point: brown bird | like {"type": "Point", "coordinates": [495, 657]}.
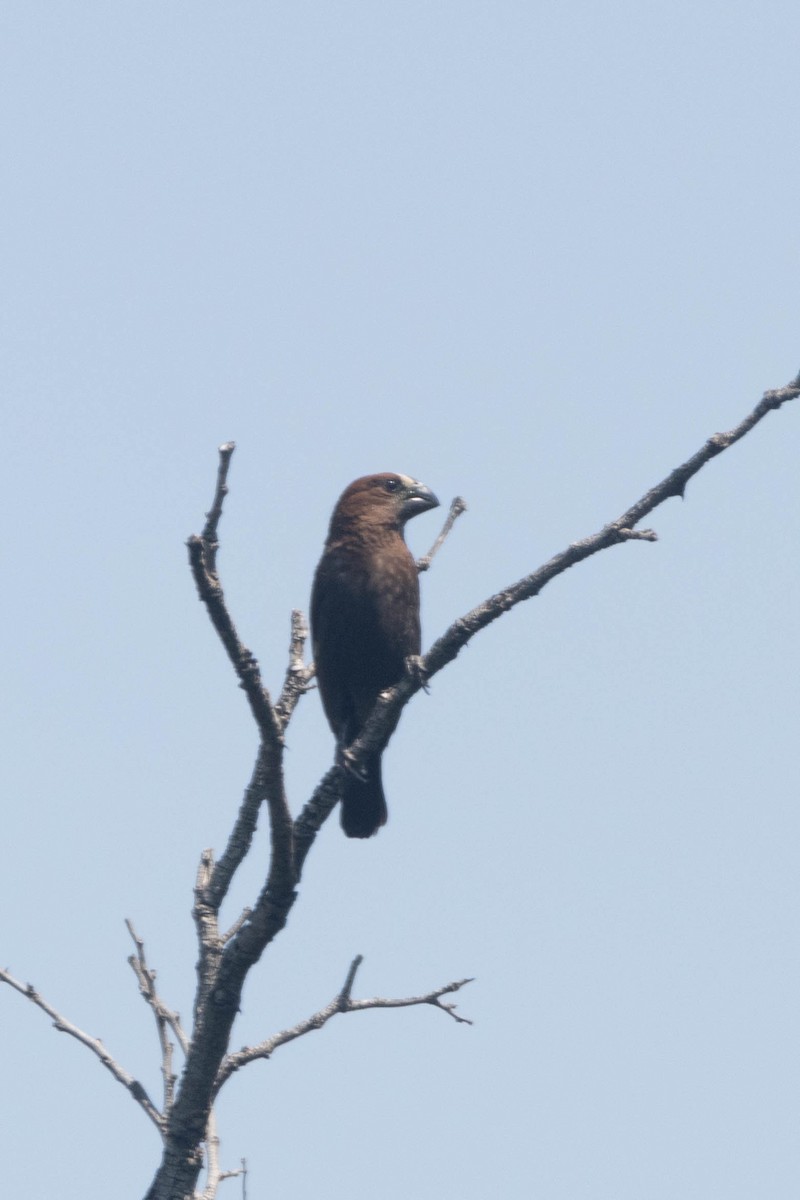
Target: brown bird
{"type": "Point", "coordinates": [365, 622]}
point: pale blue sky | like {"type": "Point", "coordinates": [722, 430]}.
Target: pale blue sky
{"type": "Point", "coordinates": [531, 254]}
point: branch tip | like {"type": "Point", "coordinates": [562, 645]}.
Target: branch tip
{"type": "Point", "coordinates": [344, 995]}
{"type": "Point", "coordinates": [640, 535]}
{"type": "Point", "coordinates": [96, 1046]}
{"type": "Point", "coordinates": [457, 506]}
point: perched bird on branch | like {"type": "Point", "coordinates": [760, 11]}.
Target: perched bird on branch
{"type": "Point", "coordinates": [365, 623]}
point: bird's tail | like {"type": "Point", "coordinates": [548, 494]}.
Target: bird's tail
{"type": "Point", "coordinates": [363, 801]}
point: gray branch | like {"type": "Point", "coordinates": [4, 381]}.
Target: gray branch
{"type": "Point", "coordinates": [94, 1044]}
{"type": "Point", "coordinates": [341, 1003]}
{"type": "Point", "coordinates": [214, 1175]}
{"type": "Point", "coordinates": [457, 507]}
{"type": "Point", "coordinates": [165, 1018]}
{"type": "Point", "coordinates": [298, 676]}
{"type": "Point", "coordinates": [209, 536]}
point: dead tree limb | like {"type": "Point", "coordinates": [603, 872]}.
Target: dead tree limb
{"type": "Point", "coordinates": [341, 1003]}
{"type": "Point", "coordinates": [94, 1044]}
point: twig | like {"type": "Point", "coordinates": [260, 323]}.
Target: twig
{"type": "Point", "coordinates": [445, 649]}
{"type": "Point", "coordinates": [457, 507]}
{"type": "Point", "coordinates": [165, 1018]}
{"type": "Point", "coordinates": [269, 765]}
{"type": "Point", "coordinates": [147, 976]}
{"type": "Point", "coordinates": [242, 1170]}
{"type": "Point", "coordinates": [433, 998]}
{"type": "Point", "coordinates": [212, 1159]}
{"type": "Point", "coordinates": [203, 562]}
{"type": "Point", "coordinates": [209, 534]}
{"type": "Point", "coordinates": [235, 1174]}
{"type": "Point", "coordinates": [94, 1044]}
{"type": "Point", "coordinates": [244, 915]}
{"type": "Point", "coordinates": [214, 1176]}
{"type": "Point", "coordinates": [243, 660]}
{"type": "Point", "coordinates": [341, 1003]}
{"type": "Point", "coordinates": [298, 676]}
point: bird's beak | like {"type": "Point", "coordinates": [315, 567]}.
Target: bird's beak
{"type": "Point", "coordinates": [417, 499]}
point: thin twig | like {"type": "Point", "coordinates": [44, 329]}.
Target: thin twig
{"type": "Point", "coordinates": [239, 1171]}
{"type": "Point", "coordinates": [215, 1176]}
{"type": "Point", "coordinates": [203, 562]}
{"type": "Point", "coordinates": [162, 1011]}
{"type": "Point", "coordinates": [457, 507]}
{"type": "Point", "coordinates": [209, 535]}
{"type": "Point", "coordinates": [94, 1044]}
{"type": "Point", "coordinates": [298, 676]}
{"type": "Point", "coordinates": [244, 915]}
{"type": "Point", "coordinates": [244, 663]}
{"type": "Point", "coordinates": [433, 998]}
{"type": "Point", "coordinates": [341, 1003]}
{"type": "Point", "coordinates": [212, 1158]}
{"type": "Point", "coordinates": [350, 978]}
{"type": "Point", "coordinates": [166, 1019]}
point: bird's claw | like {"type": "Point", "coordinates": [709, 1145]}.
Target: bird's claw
{"type": "Point", "coordinates": [416, 670]}
{"type": "Point", "coordinates": [346, 760]}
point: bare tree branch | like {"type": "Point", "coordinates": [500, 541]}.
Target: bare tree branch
{"type": "Point", "coordinates": [203, 562]}
{"type": "Point", "coordinates": [267, 782]}
{"type": "Point", "coordinates": [209, 535]}
{"type": "Point", "coordinates": [165, 1018]}
{"type": "Point", "coordinates": [298, 676]}
{"type": "Point", "coordinates": [212, 1159]}
{"type": "Point", "coordinates": [341, 1003]}
{"type": "Point", "coordinates": [94, 1044]}
{"type": "Point", "coordinates": [235, 1174]}
{"type": "Point", "coordinates": [433, 998]}
{"type": "Point", "coordinates": [244, 915]}
{"type": "Point", "coordinates": [457, 507]}
{"type": "Point", "coordinates": [383, 720]}
{"type": "Point", "coordinates": [215, 1176]}
{"type": "Point", "coordinates": [224, 962]}
{"type": "Point", "coordinates": [210, 592]}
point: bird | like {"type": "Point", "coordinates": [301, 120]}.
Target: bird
{"type": "Point", "coordinates": [365, 623]}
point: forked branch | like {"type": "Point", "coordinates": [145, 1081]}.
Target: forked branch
{"type": "Point", "coordinates": [341, 1003]}
{"type": "Point", "coordinates": [166, 1020]}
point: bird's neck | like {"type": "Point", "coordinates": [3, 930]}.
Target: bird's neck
{"type": "Point", "coordinates": [357, 538]}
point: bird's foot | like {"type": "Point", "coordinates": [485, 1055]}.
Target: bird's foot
{"type": "Point", "coordinates": [416, 670]}
{"type": "Point", "coordinates": [346, 760]}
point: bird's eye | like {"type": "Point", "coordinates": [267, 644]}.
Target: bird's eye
{"type": "Point", "coordinates": [391, 485]}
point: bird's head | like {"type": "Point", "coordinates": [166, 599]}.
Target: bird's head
{"type": "Point", "coordinates": [387, 500]}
